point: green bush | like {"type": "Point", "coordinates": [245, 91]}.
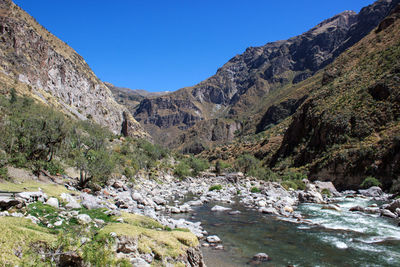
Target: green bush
{"type": "Point", "coordinates": [289, 184]}
{"type": "Point", "coordinates": [326, 192]}
{"type": "Point", "coordinates": [216, 187]}
{"type": "Point", "coordinates": [221, 166]}
{"type": "Point", "coordinates": [182, 170]}
{"type": "Point", "coordinates": [198, 165]}
{"type": "Point", "coordinates": [4, 173]}
{"type": "Point", "coordinates": [54, 167]}
{"type": "Point", "coordinates": [246, 163]}
{"type": "Point", "coordinates": [370, 181]}
{"type": "Point", "coordinates": [255, 190]}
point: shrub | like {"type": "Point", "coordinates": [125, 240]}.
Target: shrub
{"type": "Point", "coordinates": [54, 167]}
{"type": "Point", "coordinates": [246, 163]}
{"type": "Point", "coordinates": [215, 187]}
{"type": "Point", "coordinates": [289, 184]}
{"type": "Point", "coordinates": [182, 170]}
{"type": "Point", "coordinates": [255, 190]}
{"type": "Point", "coordinates": [221, 166]}
{"type": "Point", "coordinates": [198, 165]}
{"type": "Point", "coordinates": [370, 181]}
{"type": "Point", "coordinates": [326, 192]}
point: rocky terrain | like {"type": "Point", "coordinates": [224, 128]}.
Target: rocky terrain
{"type": "Point", "coordinates": [124, 203]}
{"type": "Point", "coordinates": [39, 65]}
{"type": "Point", "coordinates": [250, 83]}
{"type": "Point", "coordinates": [130, 98]}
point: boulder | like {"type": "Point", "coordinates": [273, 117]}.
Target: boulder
{"type": "Point", "coordinates": [357, 208]}
{"type": "Point", "coordinates": [268, 210]}
{"type": "Point", "coordinates": [84, 218]}
{"type": "Point", "coordinates": [395, 204]}
{"type": "Point", "coordinates": [90, 201]}
{"type": "Point", "coordinates": [331, 207]}
{"type": "Point", "coordinates": [175, 210]}
{"type": "Point", "coordinates": [195, 257]}
{"type": "Point", "coordinates": [52, 202]}
{"type": "Point", "coordinates": [310, 197]}
{"type": "Point", "coordinates": [213, 239]}
{"type": "Point", "coordinates": [234, 212]}
{"type": "Point", "coordinates": [139, 262]}
{"type": "Point", "coordinates": [326, 185]}
{"type": "Point", "coordinates": [6, 203]}
{"type": "Point", "coordinates": [30, 197]}
{"type": "Point", "coordinates": [126, 245]}
{"type": "Point", "coordinates": [118, 184]}
{"type": "Point", "coordinates": [159, 201]}
{"type": "Point", "coordinates": [288, 209]}
{"type": "Point", "coordinates": [219, 208]}
{"type": "Point", "coordinates": [373, 191]}
{"type": "Point", "coordinates": [33, 219]}
{"type": "Point", "coordinates": [72, 203]}
{"type": "Point", "coordinates": [261, 257]}
{"type": "Point", "coordinates": [388, 213]}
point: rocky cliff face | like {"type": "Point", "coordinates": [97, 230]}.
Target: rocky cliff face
{"type": "Point", "coordinates": [39, 65]}
{"type": "Point", "coordinates": [349, 128]}
{"type": "Point", "coordinates": [239, 88]}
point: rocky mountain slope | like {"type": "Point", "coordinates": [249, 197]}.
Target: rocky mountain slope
{"type": "Point", "coordinates": [250, 83]}
{"type": "Point", "coordinates": [346, 125]}
{"type": "Point", "coordinates": [349, 127]}
{"type": "Point", "coordinates": [131, 97]}
{"type": "Point", "coordinates": [37, 64]}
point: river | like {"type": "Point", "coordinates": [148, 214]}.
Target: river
{"type": "Point", "coordinates": [330, 238]}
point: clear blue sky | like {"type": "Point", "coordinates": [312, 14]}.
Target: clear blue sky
{"type": "Point", "coordinates": [169, 44]}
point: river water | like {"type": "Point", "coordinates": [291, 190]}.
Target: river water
{"type": "Point", "coordinates": [331, 238]}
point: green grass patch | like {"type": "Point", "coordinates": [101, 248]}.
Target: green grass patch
{"type": "Point", "coordinates": [216, 187]}
{"type": "Point", "coordinates": [255, 190]}
{"type": "Point", "coordinates": [52, 190]}
{"type": "Point", "coordinates": [369, 182]}
{"type": "Point", "coordinates": [17, 234]}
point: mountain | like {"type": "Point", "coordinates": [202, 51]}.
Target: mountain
{"type": "Point", "coordinates": [131, 97]}
{"type": "Point", "coordinates": [39, 65]}
{"type": "Point", "coordinates": [349, 127]}
{"type": "Point", "coordinates": [234, 100]}
{"type": "Point", "coordinates": [346, 125]}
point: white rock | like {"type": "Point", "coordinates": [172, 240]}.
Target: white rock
{"type": "Point", "coordinates": [4, 213]}
{"type": "Point", "coordinates": [83, 218]}
{"type": "Point", "coordinates": [175, 210]}
{"type": "Point", "coordinates": [213, 239]}
{"type": "Point", "coordinates": [33, 219]}
{"type": "Point", "coordinates": [219, 208]}
{"type": "Point", "coordinates": [58, 223]}
{"type": "Point", "coordinates": [262, 203]}
{"type": "Point", "coordinates": [52, 202]}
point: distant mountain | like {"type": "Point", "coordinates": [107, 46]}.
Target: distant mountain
{"type": "Point", "coordinates": [234, 100]}
{"type": "Point", "coordinates": [131, 97]}
{"type": "Point", "coordinates": [39, 65]}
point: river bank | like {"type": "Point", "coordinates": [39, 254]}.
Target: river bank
{"type": "Point", "coordinates": [237, 217]}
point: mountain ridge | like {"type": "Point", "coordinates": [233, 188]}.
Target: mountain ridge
{"type": "Point", "coordinates": [237, 89]}
{"type": "Point", "coordinates": [37, 64]}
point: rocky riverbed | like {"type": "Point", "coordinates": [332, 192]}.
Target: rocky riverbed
{"type": "Point", "coordinates": [166, 198]}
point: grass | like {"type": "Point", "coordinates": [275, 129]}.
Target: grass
{"type": "Point", "coordinates": [52, 190]}
{"type": "Point", "coordinates": [162, 243]}
{"type": "Point", "coordinates": [255, 190]}
{"type": "Point", "coordinates": [16, 235]}
{"type": "Point", "coordinates": [216, 187]}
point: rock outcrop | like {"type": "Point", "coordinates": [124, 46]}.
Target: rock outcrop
{"type": "Point", "coordinates": [37, 64]}
{"type": "Point", "coordinates": [349, 128]}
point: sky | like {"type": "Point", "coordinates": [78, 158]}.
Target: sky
{"type": "Point", "coordinates": [164, 45]}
